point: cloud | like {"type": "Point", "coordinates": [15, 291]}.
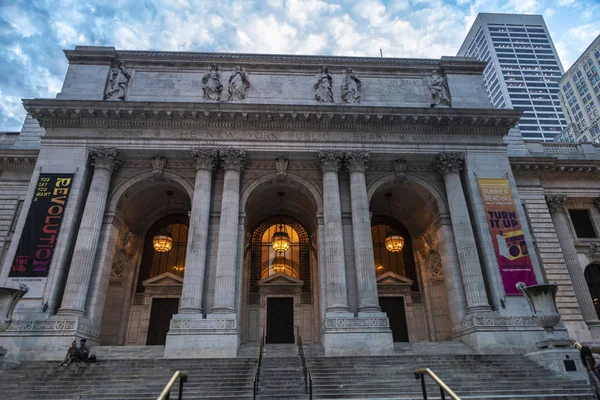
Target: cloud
{"type": "Point", "coordinates": [33, 33]}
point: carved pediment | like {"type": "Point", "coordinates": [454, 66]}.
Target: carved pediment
{"type": "Point", "coordinates": [391, 278]}
{"type": "Point", "coordinates": [280, 279]}
{"type": "Point", "coordinates": [165, 279]}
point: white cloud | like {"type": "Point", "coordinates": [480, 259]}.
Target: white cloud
{"type": "Point", "coordinates": [523, 6]}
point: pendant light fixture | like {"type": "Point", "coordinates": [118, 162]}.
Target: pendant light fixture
{"type": "Point", "coordinates": [393, 241]}
{"type": "Point", "coordinates": [163, 241]}
{"type": "Point", "coordinates": [280, 242]}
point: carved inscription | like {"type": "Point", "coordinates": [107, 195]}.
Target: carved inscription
{"type": "Point", "coordinates": [269, 136]}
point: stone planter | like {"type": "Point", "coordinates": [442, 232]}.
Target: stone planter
{"type": "Point", "coordinates": [9, 297]}
{"type": "Point", "coordinates": [542, 299]}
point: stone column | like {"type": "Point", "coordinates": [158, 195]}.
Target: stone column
{"type": "Point", "coordinates": [556, 205]}
{"type": "Point", "coordinates": [225, 283]}
{"type": "Point", "coordinates": [104, 161]}
{"type": "Point", "coordinates": [195, 258]}
{"type": "Point", "coordinates": [337, 299]}
{"type": "Point", "coordinates": [450, 165]}
{"type": "Point", "coordinates": [368, 300]}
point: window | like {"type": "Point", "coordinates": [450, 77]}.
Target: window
{"type": "Point", "coordinates": [582, 223]}
{"type": "Point", "coordinates": [401, 263]}
{"type": "Point", "coordinates": [273, 262]}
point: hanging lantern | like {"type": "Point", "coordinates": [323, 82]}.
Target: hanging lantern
{"type": "Point", "coordinates": [280, 242]}
{"type": "Point", "coordinates": [393, 241]}
{"type": "Point", "coordinates": [163, 242]}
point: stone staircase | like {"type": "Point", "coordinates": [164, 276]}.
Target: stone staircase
{"type": "Point", "coordinates": [471, 376]}
{"type": "Point", "coordinates": [281, 375]}
{"type": "Point", "coordinates": [209, 379]}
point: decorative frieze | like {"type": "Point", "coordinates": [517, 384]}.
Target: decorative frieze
{"type": "Point", "coordinates": [53, 327]}
{"type": "Point", "coordinates": [208, 324]}
{"type": "Point", "coordinates": [16, 163]}
{"type": "Point", "coordinates": [494, 323]}
{"type": "Point", "coordinates": [344, 324]}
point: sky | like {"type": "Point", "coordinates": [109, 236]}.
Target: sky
{"type": "Point", "coordinates": [33, 33]}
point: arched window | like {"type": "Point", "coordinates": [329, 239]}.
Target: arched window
{"type": "Point", "coordinates": [154, 263]}
{"type": "Point", "coordinates": [592, 276]}
{"type": "Point", "coordinates": [273, 262]}
{"type": "Point", "coordinates": [402, 262]}
{"type": "Point", "coordinates": [265, 262]}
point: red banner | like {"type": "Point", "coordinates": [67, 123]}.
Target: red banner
{"type": "Point", "coordinates": [507, 235]}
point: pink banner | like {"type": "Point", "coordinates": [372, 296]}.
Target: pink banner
{"type": "Point", "coordinates": [507, 235]}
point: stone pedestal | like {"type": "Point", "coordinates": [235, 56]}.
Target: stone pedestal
{"type": "Point", "coordinates": [195, 337]}
{"type": "Point", "coordinates": [558, 360]}
{"type": "Point", "coordinates": [366, 335]}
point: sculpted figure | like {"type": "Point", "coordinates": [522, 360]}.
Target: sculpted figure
{"type": "Point", "coordinates": [238, 84]}
{"type": "Point", "coordinates": [211, 84]}
{"type": "Point", "coordinates": [323, 86]}
{"type": "Point", "coordinates": [350, 86]}
{"type": "Point", "coordinates": [438, 86]}
{"type": "Point", "coordinates": [117, 83]}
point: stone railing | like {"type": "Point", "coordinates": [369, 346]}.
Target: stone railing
{"type": "Point", "coordinates": [561, 147]}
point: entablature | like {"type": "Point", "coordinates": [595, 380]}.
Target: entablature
{"type": "Point", "coordinates": [73, 113]}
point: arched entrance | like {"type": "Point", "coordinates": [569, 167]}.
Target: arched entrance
{"type": "Point", "coordinates": [411, 283]}
{"type": "Point", "coordinates": [145, 285]}
{"type": "Point", "coordinates": [280, 289]}
{"type": "Point", "coordinates": [592, 277]}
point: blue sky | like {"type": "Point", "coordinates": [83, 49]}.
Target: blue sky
{"type": "Point", "coordinates": [33, 33]}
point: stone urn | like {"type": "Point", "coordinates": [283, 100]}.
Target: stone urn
{"type": "Point", "coordinates": [542, 299]}
{"type": "Point", "coordinates": [9, 297]}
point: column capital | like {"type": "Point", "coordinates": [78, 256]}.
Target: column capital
{"type": "Point", "coordinates": [104, 157]}
{"type": "Point", "coordinates": [205, 157]}
{"type": "Point", "coordinates": [447, 163]}
{"type": "Point", "coordinates": [357, 161]}
{"type": "Point", "coordinates": [329, 160]}
{"type": "Point", "coordinates": [597, 203]}
{"type": "Point", "coordinates": [233, 158]}
{"type": "Point", "coordinates": [556, 202]}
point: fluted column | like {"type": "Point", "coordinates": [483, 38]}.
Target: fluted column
{"type": "Point", "coordinates": [364, 260]}
{"type": "Point", "coordinates": [233, 162]}
{"type": "Point", "coordinates": [556, 205]}
{"type": "Point", "coordinates": [450, 165]}
{"type": "Point", "coordinates": [104, 161]}
{"type": "Point", "coordinates": [195, 258]}
{"type": "Point", "coordinates": [337, 299]}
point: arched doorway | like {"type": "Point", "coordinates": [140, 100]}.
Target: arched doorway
{"type": "Point", "coordinates": [592, 277]}
{"type": "Point", "coordinates": [410, 282]}
{"type": "Point", "coordinates": [397, 267]}
{"type": "Point", "coordinates": [280, 289]}
{"type": "Point", "coordinates": [145, 285]}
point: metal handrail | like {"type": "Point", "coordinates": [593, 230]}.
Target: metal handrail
{"type": "Point", "coordinates": [257, 371]}
{"type": "Point", "coordinates": [166, 393]}
{"type": "Point", "coordinates": [307, 374]}
{"type": "Point", "coordinates": [420, 374]}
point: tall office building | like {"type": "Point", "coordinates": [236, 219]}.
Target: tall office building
{"type": "Point", "coordinates": [580, 94]}
{"type": "Point", "coordinates": [523, 69]}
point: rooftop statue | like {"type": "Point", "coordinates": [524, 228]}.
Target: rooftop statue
{"type": "Point", "coordinates": [211, 84]}
{"type": "Point", "coordinates": [323, 86]}
{"type": "Point", "coordinates": [238, 84]}
{"type": "Point", "coordinates": [117, 83]}
{"type": "Point", "coordinates": [438, 86]}
{"type": "Point", "coordinates": [350, 86]}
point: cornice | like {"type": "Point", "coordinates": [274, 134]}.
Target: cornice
{"type": "Point", "coordinates": [74, 113]}
{"type": "Point", "coordinates": [18, 160]}
{"type": "Point", "coordinates": [105, 55]}
{"type": "Point", "coordinates": [555, 168]}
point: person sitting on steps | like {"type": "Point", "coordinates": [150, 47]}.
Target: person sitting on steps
{"type": "Point", "coordinates": [72, 355]}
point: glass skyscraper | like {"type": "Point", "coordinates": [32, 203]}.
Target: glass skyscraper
{"type": "Point", "coordinates": [523, 69]}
